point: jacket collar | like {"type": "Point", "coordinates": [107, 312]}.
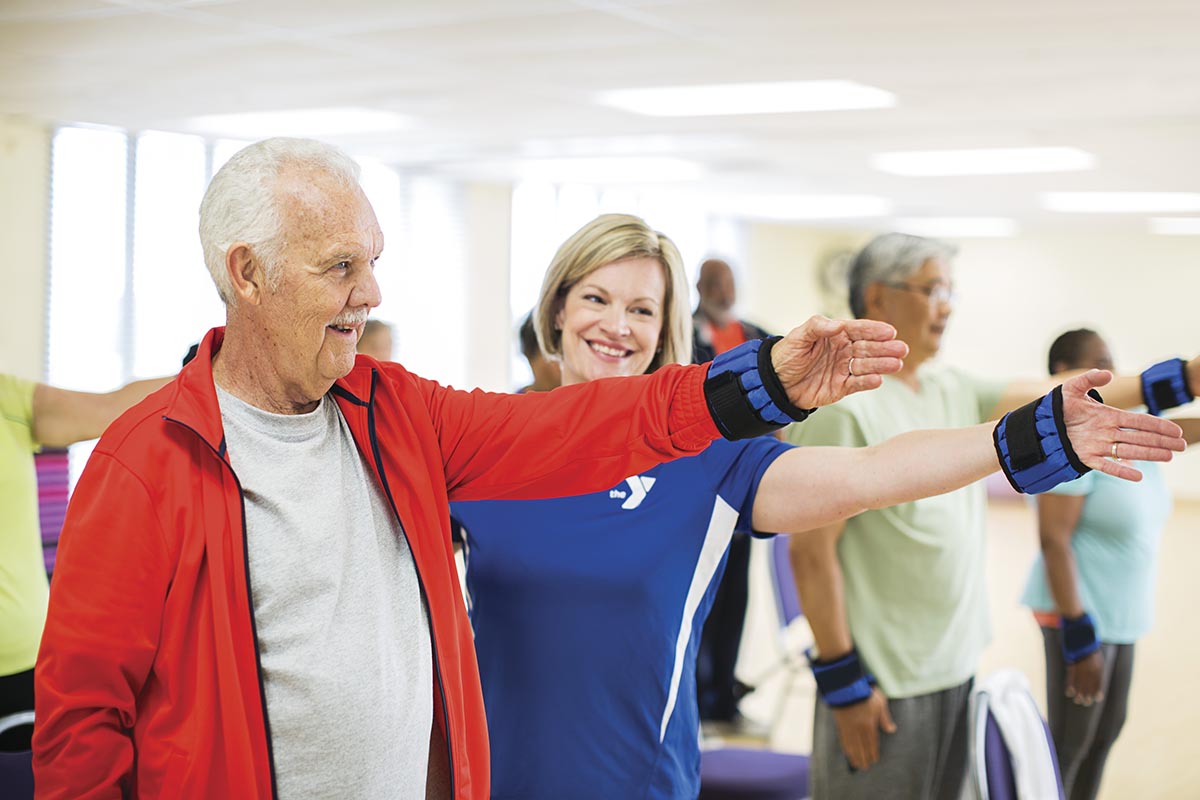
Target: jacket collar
{"type": "Point", "coordinates": [194, 403]}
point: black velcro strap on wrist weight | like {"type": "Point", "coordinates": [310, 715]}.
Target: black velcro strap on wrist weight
{"type": "Point", "coordinates": [744, 394]}
{"type": "Point", "coordinates": [734, 416]}
{"type": "Point", "coordinates": [1165, 385]}
{"type": "Point", "coordinates": [1033, 446]}
{"type": "Point", "coordinates": [774, 387]}
{"type": "Point", "coordinates": [842, 681]}
{"type": "Point", "coordinates": [1079, 638]}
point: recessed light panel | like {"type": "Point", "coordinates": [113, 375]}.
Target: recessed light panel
{"type": "Point", "coordinates": [1121, 202]}
{"type": "Point", "coordinates": [748, 98]}
{"type": "Point", "coordinates": [300, 122]}
{"type": "Point", "coordinates": [957, 227]}
{"type": "Point", "coordinates": [1175, 226]}
{"type": "Point", "coordinates": [992, 161]}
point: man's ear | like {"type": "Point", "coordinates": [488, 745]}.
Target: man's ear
{"type": "Point", "coordinates": [246, 273]}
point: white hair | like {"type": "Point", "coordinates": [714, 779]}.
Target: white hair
{"type": "Point", "coordinates": [242, 204]}
{"type": "Point", "coordinates": [891, 257]}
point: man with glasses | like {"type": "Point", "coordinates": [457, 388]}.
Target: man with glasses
{"type": "Point", "coordinates": [896, 597]}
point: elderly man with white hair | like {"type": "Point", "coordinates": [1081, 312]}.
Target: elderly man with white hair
{"type": "Point", "coordinates": [256, 594]}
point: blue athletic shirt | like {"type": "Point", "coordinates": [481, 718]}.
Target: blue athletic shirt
{"type": "Point", "coordinates": [587, 613]}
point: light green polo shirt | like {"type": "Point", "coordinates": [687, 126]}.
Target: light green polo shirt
{"type": "Point", "coordinates": [24, 591]}
{"type": "Point", "coordinates": [914, 583]}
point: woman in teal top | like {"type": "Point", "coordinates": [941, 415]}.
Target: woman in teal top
{"type": "Point", "coordinates": [1092, 590]}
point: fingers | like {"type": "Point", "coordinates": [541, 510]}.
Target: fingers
{"type": "Point", "coordinates": [854, 746]}
{"type": "Point", "coordinates": [1130, 452]}
{"type": "Point", "coordinates": [870, 745]}
{"type": "Point", "coordinates": [817, 327]}
{"type": "Point", "coordinates": [885, 720]}
{"type": "Point", "coordinates": [1084, 691]}
{"type": "Point", "coordinates": [876, 366]}
{"type": "Point", "coordinates": [1092, 379]}
{"type": "Point", "coordinates": [1145, 423]}
{"type": "Point", "coordinates": [856, 329]}
{"type": "Point", "coordinates": [866, 350]}
{"type": "Point", "coordinates": [1114, 468]}
{"type": "Point", "coordinates": [1127, 436]}
{"type": "Point", "coordinates": [867, 329]}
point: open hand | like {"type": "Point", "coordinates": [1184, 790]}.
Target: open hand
{"type": "Point", "coordinates": [824, 360]}
{"type": "Point", "coordinates": [1105, 438]}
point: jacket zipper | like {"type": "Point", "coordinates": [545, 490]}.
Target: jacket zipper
{"type": "Point", "coordinates": [262, 688]}
{"type": "Point", "coordinates": [420, 581]}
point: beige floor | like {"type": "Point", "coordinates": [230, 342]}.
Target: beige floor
{"type": "Point", "coordinates": [1158, 755]}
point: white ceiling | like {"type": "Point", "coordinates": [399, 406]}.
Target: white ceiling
{"type": "Point", "coordinates": [487, 82]}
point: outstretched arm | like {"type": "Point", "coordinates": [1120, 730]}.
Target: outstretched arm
{"type": "Point", "coordinates": [813, 486]}
{"type": "Point", "coordinates": [810, 487]}
{"type": "Point", "coordinates": [587, 437]}
{"type": "Point", "coordinates": [1191, 428]}
{"type": "Point", "coordinates": [1125, 391]}
{"type": "Point", "coordinates": [62, 417]}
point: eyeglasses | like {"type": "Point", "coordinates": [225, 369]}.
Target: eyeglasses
{"type": "Point", "coordinates": [937, 293]}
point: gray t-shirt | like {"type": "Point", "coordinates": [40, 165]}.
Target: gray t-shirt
{"type": "Point", "coordinates": [342, 627]}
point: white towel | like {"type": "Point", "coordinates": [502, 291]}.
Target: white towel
{"type": "Point", "coordinates": [1006, 695]}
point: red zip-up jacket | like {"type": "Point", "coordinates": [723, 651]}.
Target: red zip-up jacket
{"type": "Point", "coordinates": [148, 679]}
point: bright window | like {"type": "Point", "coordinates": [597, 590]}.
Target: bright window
{"type": "Point", "coordinates": [129, 292]}
{"type": "Point", "coordinates": [174, 300]}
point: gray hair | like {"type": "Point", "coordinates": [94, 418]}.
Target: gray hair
{"type": "Point", "coordinates": [889, 258]}
{"type": "Point", "coordinates": [242, 204]}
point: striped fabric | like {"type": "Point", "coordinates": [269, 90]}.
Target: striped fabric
{"type": "Point", "coordinates": [53, 475]}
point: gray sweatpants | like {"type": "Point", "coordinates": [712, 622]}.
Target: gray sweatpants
{"type": "Point", "coordinates": [1084, 735]}
{"type": "Point", "coordinates": [925, 758]}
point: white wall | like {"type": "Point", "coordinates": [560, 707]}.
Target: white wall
{"type": "Point", "coordinates": [488, 223]}
{"type": "Point", "coordinates": [24, 203]}
{"type": "Point", "coordinates": [1016, 295]}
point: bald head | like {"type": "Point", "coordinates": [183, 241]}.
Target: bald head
{"type": "Point", "coordinates": [717, 290]}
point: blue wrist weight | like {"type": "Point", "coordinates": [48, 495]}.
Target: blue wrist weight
{"type": "Point", "coordinates": [842, 682]}
{"type": "Point", "coordinates": [745, 396]}
{"type": "Point", "coordinates": [1079, 638]}
{"type": "Point", "coordinates": [1165, 385]}
{"type": "Point", "coordinates": [1035, 452]}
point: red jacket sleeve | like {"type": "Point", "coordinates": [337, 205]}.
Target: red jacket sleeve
{"type": "Point", "coordinates": [573, 440]}
{"type": "Point", "coordinates": [101, 635]}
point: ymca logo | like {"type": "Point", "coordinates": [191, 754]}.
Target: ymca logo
{"type": "Point", "coordinates": [639, 487]}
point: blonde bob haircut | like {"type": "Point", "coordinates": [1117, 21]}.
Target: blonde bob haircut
{"type": "Point", "coordinates": [605, 240]}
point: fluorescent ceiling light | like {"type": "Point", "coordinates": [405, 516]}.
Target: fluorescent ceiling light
{"type": "Point", "coordinates": [1175, 226]}
{"type": "Point", "coordinates": [993, 161]}
{"type": "Point", "coordinates": [785, 208]}
{"type": "Point", "coordinates": [631, 169]}
{"type": "Point", "coordinates": [747, 98]}
{"type": "Point", "coordinates": [1121, 202]}
{"type": "Point", "coordinates": [957, 227]}
{"type": "Point", "coordinates": [300, 122]}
